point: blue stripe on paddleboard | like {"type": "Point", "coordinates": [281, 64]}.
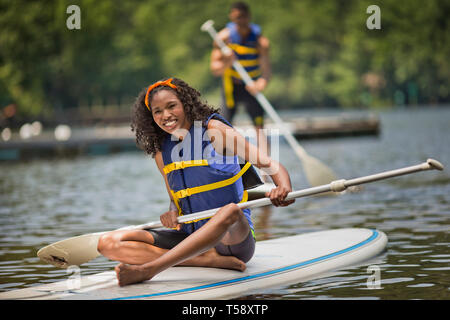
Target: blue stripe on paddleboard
{"type": "Point", "coordinates": [259, 275]}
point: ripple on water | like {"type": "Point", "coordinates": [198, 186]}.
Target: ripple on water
{"type": "Point", "coordinates": [46, 201]}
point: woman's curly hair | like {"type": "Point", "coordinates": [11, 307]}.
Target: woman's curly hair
{"type": "Point", "coordinates": [149, 136]}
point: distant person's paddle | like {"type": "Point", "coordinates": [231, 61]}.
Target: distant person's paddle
{"type": "Point", "coordinates": [316, 172]}
{"type": "Point", "coordinates": [81, 249]}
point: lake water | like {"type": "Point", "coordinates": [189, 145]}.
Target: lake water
{"type": "Point", "coordinates": [44, 201]}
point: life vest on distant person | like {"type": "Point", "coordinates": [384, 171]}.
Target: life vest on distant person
{"type": "Point", "coordinates": [200, 179]}
{"type": "Point", "coordinates": [247, 53]}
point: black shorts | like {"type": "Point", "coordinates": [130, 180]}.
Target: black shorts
{"type": "Point", "coordinates": [242, 96]}
{"type": "Point", "coordinates": [167, 239]}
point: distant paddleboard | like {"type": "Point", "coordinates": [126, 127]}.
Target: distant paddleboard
{"type": "Point", "coordinates": [277, 262]}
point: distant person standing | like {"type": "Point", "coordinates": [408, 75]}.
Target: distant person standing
{"type": "Point", "coordinates": [251, 49]}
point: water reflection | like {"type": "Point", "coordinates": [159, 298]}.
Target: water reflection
{"type": "Point", "coordinates": [46, 201]}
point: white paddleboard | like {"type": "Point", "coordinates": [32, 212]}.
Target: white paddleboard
{"type": "Point", "coordinates": [276, 263]}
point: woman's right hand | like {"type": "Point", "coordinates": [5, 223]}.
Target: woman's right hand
{"type": "Point", "coordinates": [169, 220]}
{"type": "Point", "coordinates": [278, 195]}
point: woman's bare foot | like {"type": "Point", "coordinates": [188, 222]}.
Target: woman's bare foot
{"type": "Point", "coordinates": [213, 259]}
{"type": "Point", "coordinates": [128, 274]}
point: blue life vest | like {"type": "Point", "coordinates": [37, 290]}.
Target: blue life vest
{"type": "Point", "coordinates": [247, 53]}
{"type": "Point", "coordinates": [199, 178]}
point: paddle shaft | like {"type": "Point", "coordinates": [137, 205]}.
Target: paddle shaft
{"type": "Point", "coordinates": [335, 186]}
{"type": "Point", "coordinates": [301, 153]}
{"type": "Point", "coordinates": [78, 250]}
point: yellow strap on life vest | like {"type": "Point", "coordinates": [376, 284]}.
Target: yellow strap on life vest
{"type": "Point", "coordinates": [240, 49]}
{"type": "Point", "coordinates": [229, 73]}
{"type": "Point", "coordinates": [216, 185]}
{"type": "Point", "coordinates": [249, 63]}
{"type": "Point", "coordinates": [253, 74]}
{"type": "Point", "coordinates": [175, 200]}
{"type": "Point", "coordinates": [228, 85]}
{"type": "Point", "coordinates": [228, 88]}
{"type": "Point", "coordinates": [244, 199]}
{"type": "Point", "coordinates": [184, 164]}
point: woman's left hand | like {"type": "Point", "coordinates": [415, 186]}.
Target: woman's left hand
{"type": "Point", "coordinates": [278, 195]}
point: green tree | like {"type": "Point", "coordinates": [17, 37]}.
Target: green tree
{"type": "Point", "coordinates": [322, 53]}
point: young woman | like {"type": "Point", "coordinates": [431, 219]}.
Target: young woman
{"type": "Point", "coordinates": [197, 153]}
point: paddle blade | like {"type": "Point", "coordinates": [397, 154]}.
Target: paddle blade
{"type": "Point", "coordinates": [316, 172]}
{"type": "Point", "coordinates": [73, 251]}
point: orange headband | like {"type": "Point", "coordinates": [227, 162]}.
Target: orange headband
{"type": "Point", "coordinates": [167, 82]}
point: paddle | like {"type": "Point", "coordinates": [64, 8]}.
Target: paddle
{"type": "Point", "coordinates": [81, 249]}
{"type": "Point", "coordinates": [316, 172]}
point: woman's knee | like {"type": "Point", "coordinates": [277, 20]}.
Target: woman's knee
{"type": "Point", "coordinates": [106, 242]}
{"type": "Point", "coordinates": [111, 241]}
{"type": "Point", "coordinates": [231, 213]}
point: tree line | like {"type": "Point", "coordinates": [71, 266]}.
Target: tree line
{"type": "Point", "coordinates": [322, 52]}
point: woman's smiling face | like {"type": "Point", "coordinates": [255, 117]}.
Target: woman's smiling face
{"type": "Point", "coordinates": [168, 111]}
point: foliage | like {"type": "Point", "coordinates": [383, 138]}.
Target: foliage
{"type": "Point", "coordinates": [322, 53]}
